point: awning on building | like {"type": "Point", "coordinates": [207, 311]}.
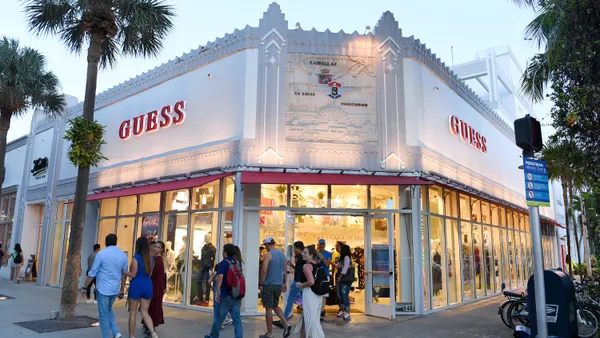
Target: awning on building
{"type": "Point", "coordinates": [549, 221]}
{"type": "Point", "coordinates": [341, 179]}
{"type": "Point", "coordinates": [159, 187]}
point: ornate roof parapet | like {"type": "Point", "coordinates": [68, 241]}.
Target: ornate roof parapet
{"type": "Point", "coordinates": [420, 52]}
{"type": "Point", "coordinates": [212, 51]}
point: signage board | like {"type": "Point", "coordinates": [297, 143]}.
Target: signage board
{"type": "Point", "coordinates": [537, 191]}
{"type": "Point", "coordinates": [469, 135]}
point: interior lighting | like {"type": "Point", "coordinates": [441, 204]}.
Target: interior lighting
{"type": "Point", "coordinates": [203, 199]}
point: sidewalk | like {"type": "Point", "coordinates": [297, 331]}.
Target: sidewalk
{"type": "Point", "coordinates": [35, 302]}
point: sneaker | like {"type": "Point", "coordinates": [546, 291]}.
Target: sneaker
{"type": "Point", "coordinates": [340, 314]}
{"type": "Point", "coordinates": [89, 301]}
{"type": "Point", "coordinates": [119, 335]}
{"type": "Point", "coordinates": [322, 315]}
{"type": "Point", "coordinates": [278, 324]}
{"type": "Point", "coordinates": [266, 335]}
{"type": "Point", "coordinates": [228, 320]}
{"type": "Point", "coordinates": [347, 317]}
{"type": "Point", "coordinates": [95, 302]}
{"type": "Point", "coordinates": [287, 331]}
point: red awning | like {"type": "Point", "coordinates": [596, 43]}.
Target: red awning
{"type": "Point", "coordinates": [341, 179]}
{"type": "Point", "coordinates": [146, 189]}
{"type": "Point", "coordinates": [555, 223]}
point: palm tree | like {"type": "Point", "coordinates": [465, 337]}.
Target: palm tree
{"type": "Point", "coordinates": [559, 169]}
{"type": "Point", "coordinates": [24, 84]}
{"type": "Point", "coordinates": [109, 28]}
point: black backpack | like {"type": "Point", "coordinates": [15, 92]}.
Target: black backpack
{"type": "Point", "coordinates": [18, 258]}
{"type": "Point", "coordinates": [321, 286]}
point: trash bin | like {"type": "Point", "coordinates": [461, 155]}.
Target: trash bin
{"type": "Point", "coordinates": [560, 304]}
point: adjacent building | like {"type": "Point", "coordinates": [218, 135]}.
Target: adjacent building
{"type": "Point", "coordinates": [367, 139]}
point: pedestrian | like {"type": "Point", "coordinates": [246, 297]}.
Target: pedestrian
{"type": "Point", "coordinates": [108, 271]}
{"type": "Point", "coordinates": [272, 283]}
{"type": "Point", "coordinates": [17, 262]}
{"type": "Point", "coordinates": [140, 286]}
{"type": "Point", "coordinates": [324, 258]}
{"type": "Point", "coordinates": [309, 324]}
{"type": "Point", "coordinates": [90, 262]}
{"type": "Point", "coordinates": [1, 256]}
{"type": "Point", "coordinates": [224, 303]}
{"type": "Point", "coordinates": [344, 280]}
{"type": "Point", "coordinates": [159, 285]}
{"type": "Point", "coordinates": [294, 291]}
{"type": "Point", "coordinates": [238, 258]}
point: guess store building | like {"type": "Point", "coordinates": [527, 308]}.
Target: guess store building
{"type": "Point", "coordinates": [302, 135]}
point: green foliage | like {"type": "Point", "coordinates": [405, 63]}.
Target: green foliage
{"type": "Point", "coordinates": [86, 139]}
{"type": "Point", "coordinates": [580, 269]}
{"type": "Point", "coordinates": [25, 83]}
{"type": "Point", "coordinates": [129, 27]}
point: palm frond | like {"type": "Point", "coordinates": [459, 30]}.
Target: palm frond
{"type": "Point", "coordinates": [48, 16]}
{"type": "Point", "coordinates": [526, 3]}
{"type": "Point", "coordinates": [109, 54]}
{"type": "Point", "coordinates": [73, 35]}
{"type": "Point", "coordinates": [536, 76]}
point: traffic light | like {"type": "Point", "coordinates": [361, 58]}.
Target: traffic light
{"type": "Point", "coordinates": [528, 133]}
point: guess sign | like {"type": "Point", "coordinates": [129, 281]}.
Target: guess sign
{"type": "Point", "coordinates": [152, 121]}
{"type": "Point", "coordinates": [468, 134]}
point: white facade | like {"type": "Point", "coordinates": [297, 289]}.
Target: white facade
{"type": "Point", "coordinates": [370, 110]}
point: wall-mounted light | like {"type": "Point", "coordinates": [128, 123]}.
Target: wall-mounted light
{"type": "Point", "coordinates": [367, 30]}
{"type": "Point", "coordinates": [436, 89]}
{"type": "Point", "coordinates": [210, 75]}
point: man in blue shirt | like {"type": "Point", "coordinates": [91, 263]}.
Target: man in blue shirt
{"type": "Point", "coordinates": [325, 260]}
{"type": "Point", "coordinates": [224, 303]}
{"type": "Point", "coordinates": [108, 268]}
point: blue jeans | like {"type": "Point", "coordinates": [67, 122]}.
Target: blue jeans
{"type": "Point", "coordinates": [294, 291]}
{"type": "Point", "coordinates": [106, 316]}
{"type": "Point", "coordinates": [343, 291]}
{"type": "Point", "coordinates": [231, 306]}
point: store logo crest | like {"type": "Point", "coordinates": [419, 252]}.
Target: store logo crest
{"type": "Point", "coordinates": [325, 77]}
{"type": "Point", "coordinates": [335, 90]}
{"type": "Point", "coordinates": [40, 167]}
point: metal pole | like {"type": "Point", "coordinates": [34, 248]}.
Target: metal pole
{"type": "Point", "coordinates": [538, 272]}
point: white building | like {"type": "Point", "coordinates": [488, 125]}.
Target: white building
{"type": "Point", "coordinates": [300, 135]}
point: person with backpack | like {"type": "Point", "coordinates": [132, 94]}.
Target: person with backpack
{"type": "Point", "coordinates": [314, 284]}
{"type": "Point", "coordinates": [17, 262]}
{"type": "Point", "coordinates": [272, 283]}
{"type": "Point", "coordinates": [231, 288]}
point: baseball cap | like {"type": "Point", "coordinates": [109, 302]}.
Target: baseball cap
{"type": "Point", "coordinates": [322, 241]}
{"type": "Point", "coordinates": [269, 240]}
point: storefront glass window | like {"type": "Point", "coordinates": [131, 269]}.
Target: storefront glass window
{"type": "Point", "coordinates": [125, 229]}
{"type": "Point", "coordinates": [204, 257]}
{"type": "Point", "coordinates": [272, 223]}
{"type": "Point", "coordinates": [488, 251]}
{"type": "Point", "coordinates": [426, 256]}
{"type": "Point", "coordinates": [516, 221]}
{"type": "Point", "coordinates": [505, 258]}
{"type": "Point", "coordinates": [273, 195]}
{"type": "Point", "coordinates": [105, 228]}
{"type": "Point", "coordinates": [465, 207]}
{"type": "Point", "coordinates": [467, 256]}
{"type": "Point", "coordinates": [108, 207]}
{"type": "Point", "coordinates": [475, 210]}
{"type": "Point", "coordinates": [478, 254]}
{"type": "Point", "coordinates": [436, 200]}
{"type": "Point", "coordinates": [148, 226]}
{"type": "Point", "coordinates": [205, 197]}
{"type": "Point", "coordinates": [502, 216]}
{"type": "Point", "coordinates": [485, 212]}
{"type": "Point", "coordinates": [523, 265]}
{"type": "Point", "coordinates": [438, 261]}
{"type": "Point", "coordinates": [406, 197]}
{"type": "Point", "coordinates": [177, 200]}
{"type": "Point", "coordinates": [451, 203]}
{"type": "Point", "coordinates": [404, 272]}
{"type": "Point", "coordinates": [495, 215]}
{"type": "Point", "coordinates": [175, 233]}
{"type": "Point", "coordinates": [515, 272]}
{"type": "Point", "coordinates": [497, 260]}
{"type": "Point", "coordinates": [149, 202]}
{"type": "Point", "coordinates": [312, 196]}
{"type": "Point", "coordinates": [384, 197]}
{"type": "Point", "coordinates": [454, 249]}
{"type": "Point", "coordinates": [228, 191]}
{"type": "Point", "coordinates": [227, 227]}
{"type": "Point", "coordinates": [56, 251]}
{"type": "Point", "coordinates": [509, 219]}
{"type": "Point", "coordinates": [349, 196]}
{"type": "Point", "coordinates": [127, 205]}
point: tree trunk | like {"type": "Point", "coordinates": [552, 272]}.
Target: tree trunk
{"type": "Point", "coordinates": [577, 243]}
{"type": "Point", "coordinates": [68, 299]}
{"type": "Point", "coordinates": [567, 227]}
{"type": "Point", "coordinates": [4, 126]}
{"type": "Point", "coordinates": [584, 236]}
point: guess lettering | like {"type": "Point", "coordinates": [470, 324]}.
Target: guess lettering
{"type": "Point", "coordinates": [468, 134]}
{"type": "Point", "coordinates": [152, 121]}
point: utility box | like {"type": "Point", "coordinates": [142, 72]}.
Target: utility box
{"type": "Point", "coordinates": [560, 305]}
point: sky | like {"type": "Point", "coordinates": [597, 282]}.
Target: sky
{"type": "Point", "coordinates": [466, 25]}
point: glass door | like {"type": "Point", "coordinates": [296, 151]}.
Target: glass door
{"type": "Point", "coordinates": [379, 271]}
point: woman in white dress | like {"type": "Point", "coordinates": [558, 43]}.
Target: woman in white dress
{"type": "Point", "coordinates": [309, 325]}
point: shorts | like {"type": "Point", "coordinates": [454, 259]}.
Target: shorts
{"type": "Point", "coordinates": [270, 295]}
{"type": "Point", "coordinates": [140, 289]}
{"type": "Point", "coordinates": [16, 265]}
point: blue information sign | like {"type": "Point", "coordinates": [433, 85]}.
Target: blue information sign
{"type": "Point", "coordinates": [536, 182]}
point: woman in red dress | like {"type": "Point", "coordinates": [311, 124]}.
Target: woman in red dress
{"type": "Point", "coordinates": [155, 309]}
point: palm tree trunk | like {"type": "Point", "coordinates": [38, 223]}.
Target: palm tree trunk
{"type": "Point", "coordinates": [70, 286]}
{"type": "Point", "coordinates": [584, 236]}
{"type": "Point", "coordinates": [577, 243]}
{"type": "Point", "coordinates": [4, 126]}
{"type": "Point", "coordinates": [566, 205]}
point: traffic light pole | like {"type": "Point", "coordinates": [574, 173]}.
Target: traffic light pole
{"type": "Point", "coordinates": [538, 268]}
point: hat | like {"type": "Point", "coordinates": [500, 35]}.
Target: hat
{"type": "Point", "coordinates": [322, 241]}
{"type": "Point", "coordinates": [269, 240]}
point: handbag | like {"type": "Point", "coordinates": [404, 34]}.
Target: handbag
{"type": "Point", "coordinates": [333, 297]}
{"type": "Point", "coordinates": [348, 278]}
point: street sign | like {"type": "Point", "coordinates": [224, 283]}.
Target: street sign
{"type": "Point", "coordinates": [536, 182]}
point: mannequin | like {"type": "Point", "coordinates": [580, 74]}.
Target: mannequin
{"type": "Point", "coordinates": [207, 263]}
{"type": "Point", "coordinates": [181, 201]}
{"type": "Point", "coordinates": [170, 255]}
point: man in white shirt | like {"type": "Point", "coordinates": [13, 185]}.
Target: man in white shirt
{"type": "Point", "coordinates": [110, 282]}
